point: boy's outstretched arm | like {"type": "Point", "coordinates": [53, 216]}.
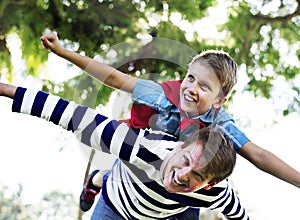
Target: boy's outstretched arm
{"type": "Point", "coordinates": [7, 90]}
{"type": "Point", "coordinates": [104, 73]}
{"type": "Point", "coordinates": [270, 163]}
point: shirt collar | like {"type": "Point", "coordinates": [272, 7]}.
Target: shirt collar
{"type": "Point", "coordinates": [208, 116]}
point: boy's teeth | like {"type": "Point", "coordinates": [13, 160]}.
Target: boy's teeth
{"type": "Point", "coordinates": [188, 99]}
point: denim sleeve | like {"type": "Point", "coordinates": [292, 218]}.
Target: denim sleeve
{"type": "Point", "coordinates": [238, 138]}
{"type": "Point", "coordinates": [149, 93]}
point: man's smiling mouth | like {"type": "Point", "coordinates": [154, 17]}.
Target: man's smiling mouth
{"type": "Point", "coordinates": [176, 180]}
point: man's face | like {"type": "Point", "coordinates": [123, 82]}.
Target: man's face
{"type": "Point", "coordinates": [183, 171]}
{"type": "Point", "coordinates": [199, 90]}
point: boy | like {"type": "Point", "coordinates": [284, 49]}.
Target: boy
{"type": "Point", "coordinates": [157, 177]}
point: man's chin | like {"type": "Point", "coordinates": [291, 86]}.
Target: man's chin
{"type": "Point", "coordinates": [172, 189]}
{"type": "Point", "coordinates": [168, 186]}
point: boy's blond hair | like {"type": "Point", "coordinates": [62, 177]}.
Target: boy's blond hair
{"type": "Point", "coordinates": [220, 63]}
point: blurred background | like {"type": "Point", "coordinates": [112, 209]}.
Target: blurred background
{"type": "Point", "coordinates": [42, 167]}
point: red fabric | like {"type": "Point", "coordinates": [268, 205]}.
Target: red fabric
{"type": "Point", "coordinates": [140, 116]}
{"type": "Point", "coordinates": [172, 90]}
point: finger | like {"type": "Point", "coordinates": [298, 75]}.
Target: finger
{"type": "Point", "coordinates": [44, 42]}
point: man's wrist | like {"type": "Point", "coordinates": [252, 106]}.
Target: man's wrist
{"type": "Point", "coordinates": [7, 90]}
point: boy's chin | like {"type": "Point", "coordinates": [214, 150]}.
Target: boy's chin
{"type": "Point", "coordinates": [187, 109]}
{"type": "Point", "coordinates": [191, 112]}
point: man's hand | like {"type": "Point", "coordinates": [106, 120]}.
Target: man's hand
{"type": "Point", "coordinates": [51, 42]}
{"type": "Point", "coordinates": [7, 90]}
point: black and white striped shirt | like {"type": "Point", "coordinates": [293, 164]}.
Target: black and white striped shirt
{"type": "Point", "coordinates": [134, 188]}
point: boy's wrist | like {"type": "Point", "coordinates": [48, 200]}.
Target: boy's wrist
{"type": "Point", "coordinates": [60, 51]}
{"type": "Point", "coordinates": [63, 52]}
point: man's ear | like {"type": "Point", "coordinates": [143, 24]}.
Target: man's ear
{"type": "Point", "coordinates": [181, 146]}
{"type": "Point", "coordinates": [178, 148]}
{"type": "Point", "coordinates": [210, 185]}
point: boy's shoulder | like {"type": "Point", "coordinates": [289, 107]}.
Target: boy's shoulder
{"type": "Point", "coordinates": [172, 90]}
{"type": "Point", "coordinates": [220, 115]}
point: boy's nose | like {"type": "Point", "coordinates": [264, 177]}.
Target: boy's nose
{"type": "Point", "coordinates": [192, 89]}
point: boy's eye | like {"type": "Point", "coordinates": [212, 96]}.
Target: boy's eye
{"type": "Point", "coordinates": [190, 78]}
{"type": "Point", "coordinates": [204, 86]}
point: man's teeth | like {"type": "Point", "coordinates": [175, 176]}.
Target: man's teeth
{"type": "Point", "coordinates": [177, 180]}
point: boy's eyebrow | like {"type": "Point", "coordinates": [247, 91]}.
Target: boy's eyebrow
{"type": "Point", "coordinates": [206, 82]}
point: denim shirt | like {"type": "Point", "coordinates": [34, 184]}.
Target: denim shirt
{"type": "Point", "coordinates": [149, 93]}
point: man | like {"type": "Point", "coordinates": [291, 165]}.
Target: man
{"type": "Point", "coordinates": [156, 177]}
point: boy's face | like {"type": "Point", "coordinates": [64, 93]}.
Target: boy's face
{"type": "Point", "coordinates": [182, 170]}
{"type": "Point", "coordinates": [200, 90]}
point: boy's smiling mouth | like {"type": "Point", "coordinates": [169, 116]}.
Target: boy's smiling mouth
{"type": "Point", "coordinates": [188, 98]}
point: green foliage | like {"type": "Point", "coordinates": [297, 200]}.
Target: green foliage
{"type": "Point", "coordinates": [58, 205]}
{"type": "Point", "coordinates": [295, 105]}
{"type": "Point", "coordinates": [190, 9]}
{"type": "Point", "coordinates": [255, 37]}
{"type": "Point", "coordinates": [5, 65]}
{"type": "Point", "coordinates": [54, 205]}
{"type": "Point", "coordinates": [83, 89]}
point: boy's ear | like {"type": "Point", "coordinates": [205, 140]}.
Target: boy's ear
{"type": "Point", "coordinates": [210, 185]}
{"type": "Point", "coordinates": [219, 103]}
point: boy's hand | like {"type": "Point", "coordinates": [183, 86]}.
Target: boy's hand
{"type": "Point", "coordinates": [51, 42]}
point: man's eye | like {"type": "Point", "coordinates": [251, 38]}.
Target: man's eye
{"type": "Point", "coordinates": [186, 160]}
{"type": "Point", "coordinates": [198, 176]}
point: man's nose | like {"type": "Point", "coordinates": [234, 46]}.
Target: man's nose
{"type": "Point", "coordinates": [184, 173]}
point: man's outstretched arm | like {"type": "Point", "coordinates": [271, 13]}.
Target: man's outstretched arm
{"type": "Point", "coordinates": [90, 127]}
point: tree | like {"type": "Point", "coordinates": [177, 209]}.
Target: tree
{"type": "Point", "coordinates": [269, 40]}
{"type": "Point", "coordinates": [54, 205]}
{"type": "Point", "coordinates": [255, 35]}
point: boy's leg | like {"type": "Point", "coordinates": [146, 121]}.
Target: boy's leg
{"type": "Point", "coordinates": [91, 189]}
{"type": "Point", "coordinates": [104, 212]}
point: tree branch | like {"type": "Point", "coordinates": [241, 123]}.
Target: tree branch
{"type": "Point", "coordinates": [280, 18]}
{"type": "Point", "coordinates": [3, 5]}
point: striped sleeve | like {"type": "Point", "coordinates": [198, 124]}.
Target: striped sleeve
{"type": "Point", "coordinates": [90, 127]}
{"type": "Point", "coordinates": [229, 204]}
